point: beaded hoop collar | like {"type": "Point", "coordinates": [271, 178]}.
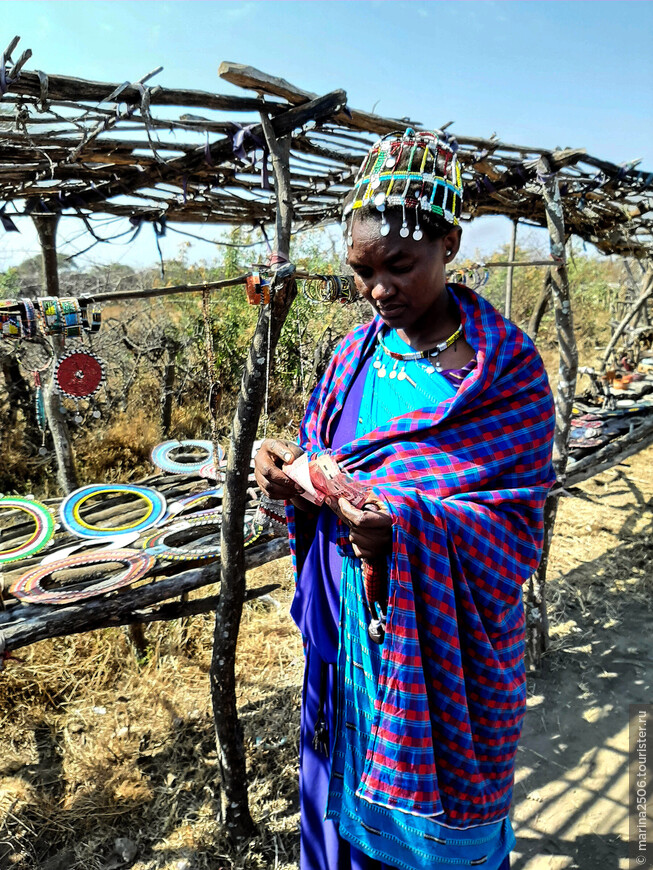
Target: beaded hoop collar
{"type": "Point", "coordinates": [28, 587]}
{"type": "Point", "coordinates": [42, 534]}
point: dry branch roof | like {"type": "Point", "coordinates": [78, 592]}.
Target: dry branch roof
{"type": "Point", "coordinates": [134, 150]}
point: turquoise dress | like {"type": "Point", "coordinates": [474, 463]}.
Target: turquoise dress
{"type": "Point", "coordinates": [410, 842]}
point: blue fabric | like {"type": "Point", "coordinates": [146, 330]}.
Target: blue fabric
{"type": "Point", "coordinates": [315, 609]}
{"type": "Point", "coordinates": [405, 841]}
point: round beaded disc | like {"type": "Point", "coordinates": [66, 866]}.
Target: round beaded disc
{"type": "Point", "coordinates": [156, 545]}
{"type": "Point", "coordinates": [101, 545]}
{"type": "Point", "coordinates": [71, 505]}
{"type": "Point", "coordinates": [191, 501]}
{"type": "Point", "coordinates": [209, 471]}
{"type": "Point", "coordinates": [79, 374]}
{"type": "Point", "coordinates": [162, 459]}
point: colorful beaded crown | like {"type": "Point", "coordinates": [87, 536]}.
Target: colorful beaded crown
{"type": "Point", "coordinates": [411, 170]}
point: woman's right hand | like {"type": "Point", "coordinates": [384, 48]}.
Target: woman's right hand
{"type": "Point", "coordinates": [272, 454]}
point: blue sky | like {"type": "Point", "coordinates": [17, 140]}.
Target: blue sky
{"type": "Point", "coordinates": [546, 73]}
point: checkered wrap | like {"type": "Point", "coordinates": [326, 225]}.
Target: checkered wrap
{"type": "Point", "coordinates": [465, 483]}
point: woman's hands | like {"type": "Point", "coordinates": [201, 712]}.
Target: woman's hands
{"type": "Point", "coordinates": [370, 528]}
{"type": "Point", "coordinates": [272, 454]}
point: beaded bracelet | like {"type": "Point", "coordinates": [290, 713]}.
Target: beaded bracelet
{"type": "Point", "coordinates": [90, 322]}
{"type": "Point", "coordinates": [71, 316]}
{"type": "Point", "coordinates": [50, 315]}
{"type": "Point", "coordinates": [28, 317]}
{"type": "Point", "coordinates": [10, 319]}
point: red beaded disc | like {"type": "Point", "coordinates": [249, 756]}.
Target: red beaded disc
{"type": "Point", "coordinates": [79, 374]}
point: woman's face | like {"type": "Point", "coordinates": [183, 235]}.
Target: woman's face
{"type": "Point", "coordinates": [403, 279]}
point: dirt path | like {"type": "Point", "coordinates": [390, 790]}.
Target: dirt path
{"type": "Point", "coordinates": [571, 794]}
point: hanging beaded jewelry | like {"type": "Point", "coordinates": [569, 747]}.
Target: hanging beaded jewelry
{"type": "Point", "coordinates": [431, 353]}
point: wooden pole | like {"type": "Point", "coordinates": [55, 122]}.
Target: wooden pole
{"type": "Point", "coordinates": [167, 388]}
{"type": "Point", "coordinates": [235, 806]}
{"type": "Point", "coordinates": [644, 296]}
{"type": "Point", "coordinates": [46, 227]}
{"type": "Point", "coordinates": [119, 295]}
{"type": "Point", "coordinates": [497, 264]}
{"type": "Point", "coordinates": [540, 307]}
{"type": "Point", "coordinates": [41, 623]}
{"type": "Point", "coordinates": [568, 364]}
{"type": "Point", "coordinates": [511, 258]}
{"type": "Point", "coordinates": [537, 620]}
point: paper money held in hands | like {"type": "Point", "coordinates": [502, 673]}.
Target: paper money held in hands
{"type": "Point", "coordinates": [321, 477]}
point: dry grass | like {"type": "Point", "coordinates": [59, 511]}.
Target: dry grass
{"type": "Point", "coordinates": [98, 746]}
{"type": "Point", "coordinates": [119, 451]}
{"type": "Point", "coordinates": [602, 552]}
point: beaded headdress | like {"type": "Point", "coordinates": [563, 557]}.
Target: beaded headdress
{"type": "Point", "coordinates": [411, 170]}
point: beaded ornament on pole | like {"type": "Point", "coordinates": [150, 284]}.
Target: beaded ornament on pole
{"type": "Point", "coordinates": [415, 171]}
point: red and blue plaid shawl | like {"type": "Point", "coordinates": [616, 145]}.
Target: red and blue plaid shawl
{"type": "Point", "coordinates": [465, 483]}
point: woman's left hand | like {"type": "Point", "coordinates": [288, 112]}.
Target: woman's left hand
{"type": "Point", "coordinates": [370, 528]}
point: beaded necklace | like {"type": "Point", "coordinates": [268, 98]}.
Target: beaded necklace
{"type": "Point", "coordinates": [434, 352]}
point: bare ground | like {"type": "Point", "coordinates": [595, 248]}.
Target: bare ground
{"type": "Point", "coordinates": [98, 746]}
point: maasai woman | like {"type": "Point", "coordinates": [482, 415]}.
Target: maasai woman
{"type": "Point", "coordinates": [411, 608]}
